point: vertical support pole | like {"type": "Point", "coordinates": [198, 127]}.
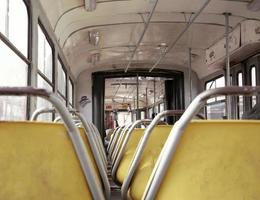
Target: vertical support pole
{"type": "Point", "coordinates": [146, 101]}
{"type": "Point", "coordinates": [154, 95]}
{"type": "Point", "coordinates": [228, 82]}
{"type": "Point", "coordinates": [137, 98]}
{"type": "Point", "coordinates": [190, 81]}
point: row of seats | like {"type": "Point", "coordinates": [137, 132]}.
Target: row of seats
{"type": "Point", "coordinates": [211, 159]}
{"type": "Point", "coordinates": [198, 159]}
{"type": "Point", "coordinates": [39, 161]}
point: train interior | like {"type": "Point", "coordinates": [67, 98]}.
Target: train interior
{"type": "Point", "coordinates": [130, 99]}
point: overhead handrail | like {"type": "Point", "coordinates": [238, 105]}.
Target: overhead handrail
{"type": "Point", "coordinates": [170, 146]}
{"type": "Point", "coordinates": [123, 146]}
{"type": "Point", "coordinates": [72, 130]}
{"type": "Point", "coordinates": [140, 149]}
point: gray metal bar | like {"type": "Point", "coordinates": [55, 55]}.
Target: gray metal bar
{"type": "Point", "coordinates": [111, 143]}
{"type": "Point", "coordinates": [39, 111]}
{"type": "Point", "coordinates": [180, 35]}
{"type": "Point", "coordinates": [99, 143]}
{"type": "Point", "coordinates": [190, 71]}
{"type": "Point", "coordinates": [142, 35]}
{"type": "Point", "coordinates": [93, 144]}
{"type": "Point", "coordinates": [115, 140]}
{"type": "Point", "coordinates": [120, 139]}
{"type": "Point", "coordinates": [73, 132]}
{"type": "Point", "coordinates": [140, 149]}
{"type": "Point", "coordinates": [123, 146]}
{"type": "Point", "coordinates": [228, 82]}
{"type": "Point", "coordinates": [170, 146]}
{"type": "Point", "coordinates": [112, 137]}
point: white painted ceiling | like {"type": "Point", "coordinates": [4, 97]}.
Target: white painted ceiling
{"type": "Point", "coordinates": [120, 24]}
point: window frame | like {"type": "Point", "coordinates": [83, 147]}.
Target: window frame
{"type": "Point", "coordinates": [66, 81]}
{"type": "Point", "coordinates": [26, 59]}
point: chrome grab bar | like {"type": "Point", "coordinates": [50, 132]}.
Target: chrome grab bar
{"type": "Point", "coordinates": [121, 150]}
{"type": "Point", "coordinates": [72, 130]}
{"type": "Point", "coordinates": [170, 146]}
{"type": "Point", "coordinates": [117, 146]}
{"type": "Point", "coordinates": [140, 149]}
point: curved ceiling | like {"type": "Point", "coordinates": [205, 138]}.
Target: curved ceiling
{"type": "Point", "coordinates": [119, 24]}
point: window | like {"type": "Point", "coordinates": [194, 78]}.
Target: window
{"type": "Point", "coordinates": [12, 107]}
{"type": "Point", "coordinates": [61, 81]}
{"type": "Point", "coordinates": [142, 114]}
{"type": "Point", "coordinates": [13, 63]}
{"type": "Point", "coordinates": [45, 55]}
{"type": "Point", "coordinates": [14, 23]}
{"type": "Point", "coordinates": [253, 83]}
{"type": "Point", "coordinates": [216, 107]}
{"type": "Point", "coordinates": [45, 71]}
{"type": "Point", "coordinates": [240, 98]}
{"type": "Point", "coordinates": [161, 106]}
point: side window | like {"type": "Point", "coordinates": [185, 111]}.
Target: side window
{"type": "Point", "coordinates": [253, 83]}
{"type": "Point", "coordinates": [216, 107]}
{"type": "Point", "coordinates": [62, 82]}
{"type": "Point", "coordinates": [14, 63]}
{"type": "Point", "coordinates": [45, 70]}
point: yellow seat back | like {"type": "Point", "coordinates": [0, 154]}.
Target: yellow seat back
{"type": "Point", "coordinates": [150, 155]}
{"type": "Point", "coordinates": [215, 160]}
{"type": "Point", "coordinates": [128, 154]}
{"type": "Point", "coordinates": [38, 161]}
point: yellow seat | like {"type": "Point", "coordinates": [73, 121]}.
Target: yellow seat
{"type": "Point", "coordinates": [39, 162]}
{"type": "Point", "coordinates": [150, 155]}
{"type": "Point", "coordinates": [215, 160]}
{"type": "Point", "coordinates": [128, 154]}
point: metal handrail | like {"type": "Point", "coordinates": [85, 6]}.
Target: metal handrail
{"type": "Point", "coordinates": [96, 134]}
{"type": "Point", "coordinates": [170, 146]}
{"type": "Point", "coordinates": [112, 137]}
{"type": "Point", "coordinates": [123, 146]}
{"type": "Point", "coordinates": [40, 111]}
{"type": "Point", "coordinates": [72, 131]}
{"type": "Point", "coordinates": [110, 151]}
{"type": "Point", "coordinates": [111, 143]}
{"type": "Point", "coordinates": [119, 141]}
{"type": "Point", "coordinates": [140, 149]}
{"type": "Point", "coordinates": [96, 152]}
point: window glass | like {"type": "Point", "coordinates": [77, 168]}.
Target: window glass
{"type": "Point", "coordinates": [123, 118]}
{"type": "Point", "coordinates": [215, 107]}
{"type": "Point", "coordinates": [45, 55]}
{"type": "Point", "coordinates": [142, 114]}
{"type": "Point", "coordinates": [3, 17]}
{"type": "Point", "coordinates": [18, 25]}
{"type": "Point", "coordinates": [253, 83]}
{"type": "Point", "coordinates": [161, 107]}
{"type": "Point", "coordinates": [220, 82]}
{"type": "Point", "coordinates": [42, 103]}
{"type": "Point", "coordinates": [70, 93]}
{"type": "Point", "coordinates": [61, 79]}
{"type": "Point", "coordinates": [12, 107]}
{"type": "Point", "coordinates": [240, 98]}
{"type": "Point", "coordinates": [216, 111]}
{"type": "Point", "coordinates": [150, 112]}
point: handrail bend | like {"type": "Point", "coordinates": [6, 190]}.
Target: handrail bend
{"type": "Point", "coordinates": [170, 146]}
